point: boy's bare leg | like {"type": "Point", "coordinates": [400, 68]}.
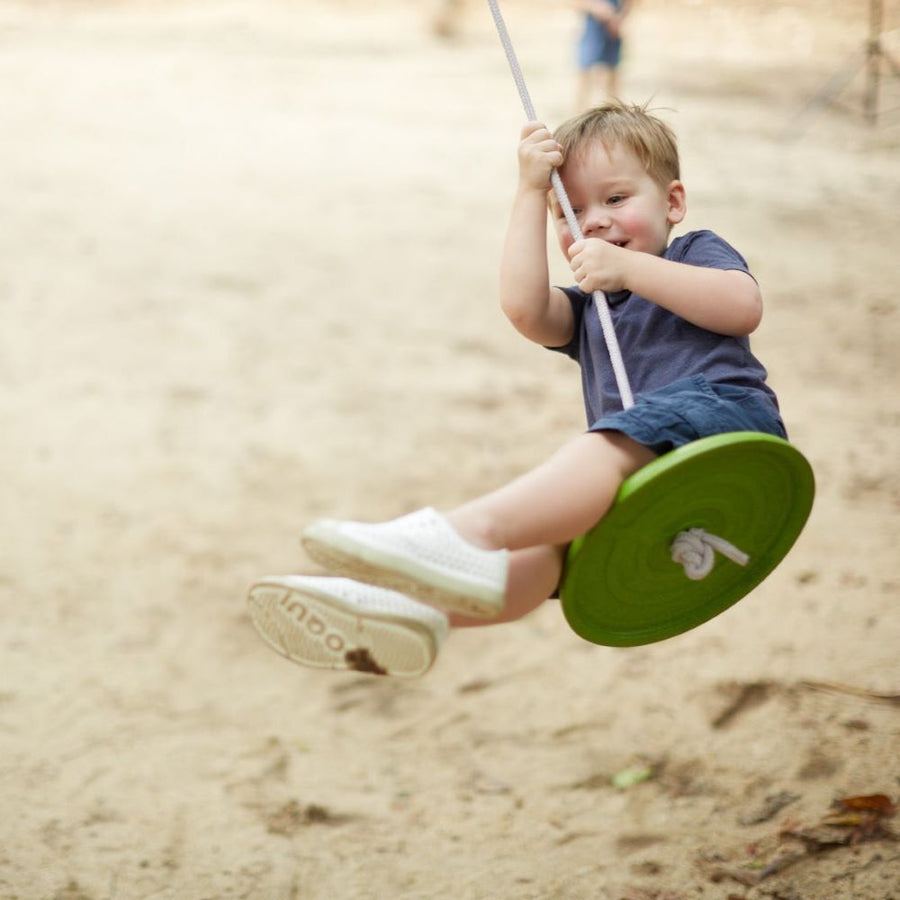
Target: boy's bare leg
{"type": "Point", "coordinates": [583, 91]}
{"type": "Point", "coordinates": [556, 502]}
{"type": "Point", "coordinates": [612, 82]}
{"type": "Point", "coordinates": [461, 561]}
{"type": "Point", "coordinates": [445, 17]}
{"type": "Point", "coordinates": [565, 496]}
{"type": "Point", "coordinates": [534, 575]}
{"type": "Point", "coordinates": [596, 85]}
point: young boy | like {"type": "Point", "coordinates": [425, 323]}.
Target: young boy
{"type": "Point", "coordinates": [682, 312]}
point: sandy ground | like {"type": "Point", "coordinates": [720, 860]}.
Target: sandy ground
{"type": "Point", "coordinates": [248, 269]}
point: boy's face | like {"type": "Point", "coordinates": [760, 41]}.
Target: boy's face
{"type": "Point", "coordinates": [616, 200]}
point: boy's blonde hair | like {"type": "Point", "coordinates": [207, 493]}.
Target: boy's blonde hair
{"type": "Point", "coordinates": [617, 124]}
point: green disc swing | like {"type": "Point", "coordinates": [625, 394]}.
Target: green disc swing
{"type": "Point", "coordinates": [649, 569]}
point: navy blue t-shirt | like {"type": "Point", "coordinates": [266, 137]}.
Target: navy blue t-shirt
{"type": "Point", "coordinates": [659, 347]}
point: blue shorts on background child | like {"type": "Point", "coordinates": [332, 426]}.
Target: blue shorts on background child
{"type": "Point", "coordinates": [597, 46]}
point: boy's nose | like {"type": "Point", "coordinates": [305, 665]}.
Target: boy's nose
{"type": "Point", "coordinates": [596, 219]}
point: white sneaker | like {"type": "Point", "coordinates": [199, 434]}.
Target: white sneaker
{"type": "Point", "coordinates": [420, 554]}
{"type": "Point", "coordinates": [336, 623]}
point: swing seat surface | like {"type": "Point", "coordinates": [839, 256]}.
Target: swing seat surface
{"type": "Point", "coordinates": [620, 586]}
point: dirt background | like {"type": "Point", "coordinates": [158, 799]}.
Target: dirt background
{"type": "Point", "coordinates": [248, 270]}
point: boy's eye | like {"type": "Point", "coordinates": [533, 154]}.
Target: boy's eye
{"type": "Point", "coordinates": [561, 216]}
{"type": "Point", "coordinates": [615, 199]}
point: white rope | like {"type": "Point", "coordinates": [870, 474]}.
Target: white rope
{"type": "Point", "coordinates": [609, 334]}
{"type": "Point", "coordinates": [695, 550]}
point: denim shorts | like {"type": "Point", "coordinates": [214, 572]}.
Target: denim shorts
{"type": "Point", "coordinates": [597, 47]}
{"type": "Point", "coordinates": [692, 408]}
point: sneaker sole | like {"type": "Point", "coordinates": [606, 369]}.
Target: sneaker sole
{"type": "Point", "coordinates": [314, 628]}
{"type": "Point", "coordinates": [343, 556]}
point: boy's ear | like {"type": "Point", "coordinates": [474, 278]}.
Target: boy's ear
{"type": "Point", "coordinates": [677, 201]}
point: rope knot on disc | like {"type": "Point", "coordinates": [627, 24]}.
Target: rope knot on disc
{"type": "Point", "coordinates": [696, 551]}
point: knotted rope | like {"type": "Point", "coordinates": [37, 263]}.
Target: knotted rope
{"type": "Point", "coordinates": [696, 550]}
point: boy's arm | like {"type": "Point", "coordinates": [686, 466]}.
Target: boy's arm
{"type": "Point", "coordinates": [540, 312]}
{"type": "Point", "coordinates": [727, 301]}
{"type": "Point", "coordinates": [604, 12]}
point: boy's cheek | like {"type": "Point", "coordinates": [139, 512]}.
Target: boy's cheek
{"type": "Point", "coordinates": [564, 236]}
